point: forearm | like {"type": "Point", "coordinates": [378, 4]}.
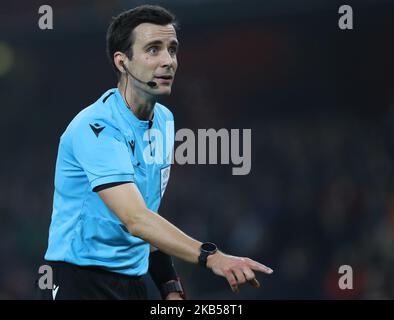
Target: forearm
{"type": "Point", "coordinates": [164, 275]}
{"type": "Point", "coordinates": [127, 203]}
{"type": "Point", "coordinates": [163, 235]}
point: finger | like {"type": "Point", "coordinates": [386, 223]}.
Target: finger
{"type": "Point", "coordinates": [249, 274]}
{"type": "Point", "coordinates": [250, 277]}
{"type": "Point", "coordinates": [231, 280]}
{"type": "Point", "coordinates": [240, 276]}
{"type": "Point", "coordinates": [260, 267]}
{"type": "Point", "coordinates": [255, 283]}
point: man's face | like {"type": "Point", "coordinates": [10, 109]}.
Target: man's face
{"type": "Point", "coordinates": [154, 56]}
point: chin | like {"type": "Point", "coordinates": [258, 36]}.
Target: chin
{"type": "Point", "coordinates": [165, 92]}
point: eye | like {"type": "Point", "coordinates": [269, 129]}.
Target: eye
{"type": "Point", "coordinates": [153, 50]}
{"type": "Point", "coordinates": [173, 51]}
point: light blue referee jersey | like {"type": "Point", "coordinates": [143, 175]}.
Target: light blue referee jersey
{"type": "Point", "coordinates": [106, 143]}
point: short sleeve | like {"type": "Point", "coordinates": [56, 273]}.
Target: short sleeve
{"type": "Point", "coordinates": [102, 154]}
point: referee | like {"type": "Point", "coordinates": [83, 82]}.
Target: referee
{"type": "Point", "coordinates": [105, 232]}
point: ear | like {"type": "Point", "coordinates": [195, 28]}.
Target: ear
{"type": "Point", "coordinates": [119, 58]}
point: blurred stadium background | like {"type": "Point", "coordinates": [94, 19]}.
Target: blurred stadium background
{"type": "Point", "coordinates": [320, 102]}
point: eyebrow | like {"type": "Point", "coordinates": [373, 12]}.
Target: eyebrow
{"type": "Point", "coordinates": [159, 42]}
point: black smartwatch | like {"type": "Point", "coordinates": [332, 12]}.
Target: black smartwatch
{"type": "Point", "coordinates": [206, 249]}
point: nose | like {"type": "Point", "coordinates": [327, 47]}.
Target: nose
{"type": "Point", "coordinates": [166, 59]}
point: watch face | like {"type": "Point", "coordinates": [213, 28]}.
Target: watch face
{"type": "Point", "coordinates": [209, 247]}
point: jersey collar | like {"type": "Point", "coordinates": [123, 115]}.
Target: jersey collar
{"type": "Point", "coordinates": [128, 115]}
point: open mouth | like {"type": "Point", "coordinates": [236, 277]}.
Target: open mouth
{"type": "Point", "coordinates": [165, 77]}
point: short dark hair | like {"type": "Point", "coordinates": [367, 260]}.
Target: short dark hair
{"type": "Point", "coordinates": [120, 31]}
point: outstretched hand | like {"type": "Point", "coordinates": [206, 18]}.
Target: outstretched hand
{"type": "Point", "coordinates": [237, 270]}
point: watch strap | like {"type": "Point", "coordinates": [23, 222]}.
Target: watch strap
{"type": "Point", "coordinates": [171, 286]}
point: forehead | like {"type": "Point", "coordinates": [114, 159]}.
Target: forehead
{"type": "Point", "coordinates": [147, 32]}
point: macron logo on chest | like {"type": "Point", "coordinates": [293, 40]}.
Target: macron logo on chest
{"type": "Point", "coordinates": [97, 128]}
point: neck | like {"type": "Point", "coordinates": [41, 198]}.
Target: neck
{"type": "Point", "coordinates": [138, 102]}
